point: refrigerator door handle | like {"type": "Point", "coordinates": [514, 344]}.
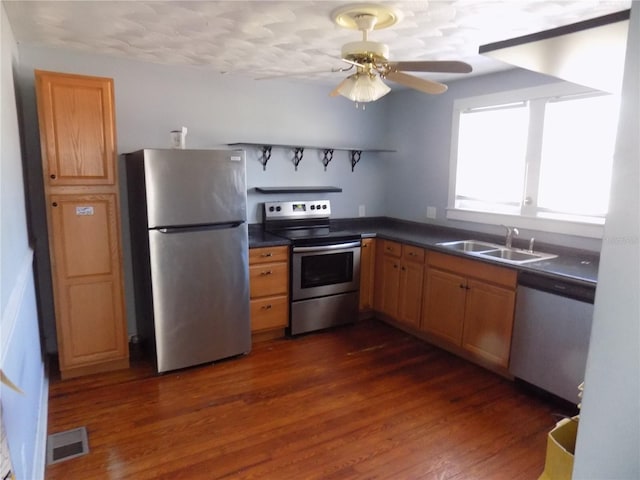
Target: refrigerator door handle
{"type": "Point", "coordinates": [200, 228]}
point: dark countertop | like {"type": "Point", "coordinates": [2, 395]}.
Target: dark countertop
{"type": "Point", "coordinates": [578, 266]}
{"type": "Point", "coordinates": [259, 238]}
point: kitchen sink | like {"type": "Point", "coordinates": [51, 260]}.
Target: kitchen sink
{"type": "Point", "coordinates": [518, 256]}
{"type": "Point", "coordinates": [469, 246]}
{"type": "Point", "coordinates": [497, 252]}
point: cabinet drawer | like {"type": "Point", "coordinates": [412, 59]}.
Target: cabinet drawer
{"type": "Point", "coordinates": [268, 313]}
{"type": "Point", "coordinates": [413, 254]}
{"type": "Point", "coordinates": [268, 279]}
{"type": "Point", "coordinates": [268, 254]}
{"type": "Point", "coordinates": [474, 268]}
{"type": "Point", "coordinates": [391, 248]}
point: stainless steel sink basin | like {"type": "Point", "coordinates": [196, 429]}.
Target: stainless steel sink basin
{"type": "Point", "coordinates": [469, 246]}
{"type": "Point", "coordinates": [517, 256]}
{"type": "Point", "coordinates": [497, 252]}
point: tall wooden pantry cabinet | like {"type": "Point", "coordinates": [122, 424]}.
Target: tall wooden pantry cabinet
{"type": "Point", "coordinates": [77, 135]}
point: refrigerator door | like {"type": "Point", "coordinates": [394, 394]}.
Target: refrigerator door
{"type": "Point", "coordinates": [200, 291]}
{"type": "Point", "coordinates": [194, 187]}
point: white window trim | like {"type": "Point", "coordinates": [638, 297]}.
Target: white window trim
{"type": "Point", "coordinates": [579, 227]}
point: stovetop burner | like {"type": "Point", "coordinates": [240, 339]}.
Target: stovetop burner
{"type": "Point", "coordinates": [304, 223]}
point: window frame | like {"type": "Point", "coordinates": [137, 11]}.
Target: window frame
{"type": "Point", "coordinates": [527, 218]}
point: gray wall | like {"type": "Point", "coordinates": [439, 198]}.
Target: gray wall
{"type": "Point", "coordinates": [609, 433]}
{"type": "Point", "coordinates": [24, 416]}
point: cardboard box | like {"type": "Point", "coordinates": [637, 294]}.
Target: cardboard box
{"type": "Point", "coordinates": [561, 446]}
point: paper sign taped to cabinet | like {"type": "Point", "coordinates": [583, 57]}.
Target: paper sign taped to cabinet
{"type": "Point", "coordinates": [84, 211]}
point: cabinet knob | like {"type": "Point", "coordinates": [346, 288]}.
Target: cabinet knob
{"type": "Point", "coordinates": [403, 269]}
{"type": "Point", "coordinates": [53, 176]}
{"type": "Point", "coordinates": [268, 272]}
{"type": "Point", "coordinates": [54, 204]}
{"type": "Point", "coordinates": [267, 254]}
{"type": "Point", "coordinates": [266, 307]}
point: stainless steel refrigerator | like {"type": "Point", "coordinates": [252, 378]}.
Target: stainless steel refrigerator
{"type": "Point", "coordinates": [189, 245]}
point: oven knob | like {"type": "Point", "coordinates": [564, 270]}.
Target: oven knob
{"type": "Point", "coordinates": [271, 209]}
{"type": "Point", "coordinates": [278, 209]}
{"type": "Point", "coordinates": [317, 207]}
{"type": "Point", "coordinates": [324, 207]}
{"type": "Point", "coordinates": [313, 207]}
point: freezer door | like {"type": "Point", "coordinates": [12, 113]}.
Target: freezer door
{"type": "Point", "coordinates": [200, 291]}
{"type": "Point", "coordinates": [194, 187]}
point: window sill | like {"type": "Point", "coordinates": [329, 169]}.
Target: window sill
{"type": "Point", "coordinates": [567, 227]}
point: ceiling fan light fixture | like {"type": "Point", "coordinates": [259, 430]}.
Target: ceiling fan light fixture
{"type": "Point", "coordinates": [363, 87]}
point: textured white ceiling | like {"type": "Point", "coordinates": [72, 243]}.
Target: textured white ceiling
{"type": "Point", "coordinates": [264, 38]}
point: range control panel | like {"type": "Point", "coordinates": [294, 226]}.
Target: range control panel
{"type": "Point", "coordinates": [297, 210]}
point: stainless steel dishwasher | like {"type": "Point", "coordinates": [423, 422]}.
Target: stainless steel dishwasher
{"type": "Point", "coordinates": [551, 333]}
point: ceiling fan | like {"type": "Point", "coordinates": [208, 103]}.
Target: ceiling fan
{"type": "Point", "coordinates": [370, 59]}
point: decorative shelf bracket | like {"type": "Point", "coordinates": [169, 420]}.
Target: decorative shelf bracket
{"type": "Point", "coordinates": [328, 156]}
{"type": "Point", "coordinates": [266, 155]}
{"type": "Point", "coordinates": [355, 158]}
{"type": "Point", "coordinates": [297, 156]}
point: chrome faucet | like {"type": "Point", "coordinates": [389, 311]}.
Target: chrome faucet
{"type": "Point", "coordinates": [511, 231]}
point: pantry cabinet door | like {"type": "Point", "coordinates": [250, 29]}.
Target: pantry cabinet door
{"type": "Point", "coordinates": [76, 118]}
{"type": "Point", "coordinates": [86, 267]}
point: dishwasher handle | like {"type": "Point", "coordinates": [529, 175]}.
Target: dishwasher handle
{"type": "Point", "coordinates": [563, 288]}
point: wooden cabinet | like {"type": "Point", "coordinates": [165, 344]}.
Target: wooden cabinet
{"type": "Point", "coordinates": [87, 279]}
{"type": "Point", "coordinates": [470, 304]}
{"type": "Point", "coordinates": [367, 273]}
{"type": "Point", "coordinates": [399, 286]}
{"type": "Point", "coordinates": [77, 129]}
{"type": "Point", "coordinates": [77, 133]}
{"type": "Point", "coordinates": [411, 279]}
{"type": "Point", "coordinates": [269, 287]}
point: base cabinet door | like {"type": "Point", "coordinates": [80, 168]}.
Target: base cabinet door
{"type": "Point", "coordinates": [399, 279]}
{"type": "Point", "coordinates": [84, 233]}
{"type": "Point", "coordinates": [470, 305]}
{"type": "Point", "coordinates": [489, 322]}
{"type": "Point", "coordinates": [390, 285]}
{"type": "Point", "coordinates": [367, 274]}
{"type": "Point", "coordinates": [410, 303]}
{"type": "Point", "coordinates": [444, 305]}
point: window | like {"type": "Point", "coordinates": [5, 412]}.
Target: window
{"type": "Point", "coordinates": [541, 157]}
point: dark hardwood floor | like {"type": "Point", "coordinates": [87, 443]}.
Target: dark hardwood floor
{"type": "Point", "coordinates": [360, 402]}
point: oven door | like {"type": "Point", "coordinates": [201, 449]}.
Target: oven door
{"type": "Point", "coordinates": [319, 271]}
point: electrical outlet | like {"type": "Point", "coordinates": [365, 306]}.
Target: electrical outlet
{"type": "Point", "coordinates": [431, 212]}
{"type": "Point", "coordinates": [361, 211]}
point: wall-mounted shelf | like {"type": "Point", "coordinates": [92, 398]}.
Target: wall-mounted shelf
{"type": "Point", "coordinates": [355, 153]}
{"type": "Point", "coordinates": [298, 189]}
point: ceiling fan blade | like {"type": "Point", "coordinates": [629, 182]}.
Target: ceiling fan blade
{"type": "Point", "coordinates": [335, 92]}
{"type": "Point", "coordinates": [421, 84]}
{"type": "Point", "coordinates": [443, 66]}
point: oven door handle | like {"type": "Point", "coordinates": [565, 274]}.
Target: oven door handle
{"type": "Point", "coordinates": [325, 248]}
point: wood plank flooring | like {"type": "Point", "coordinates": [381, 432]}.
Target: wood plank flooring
{"type": "Point", "coordinates": [360, 402]}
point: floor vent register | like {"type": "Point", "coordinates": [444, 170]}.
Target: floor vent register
{"type": "Point", "coordinates": [67, 445]}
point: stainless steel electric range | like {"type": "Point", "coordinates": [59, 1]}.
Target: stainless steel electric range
{"type": "Point", "coordinates": [325, 264]}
